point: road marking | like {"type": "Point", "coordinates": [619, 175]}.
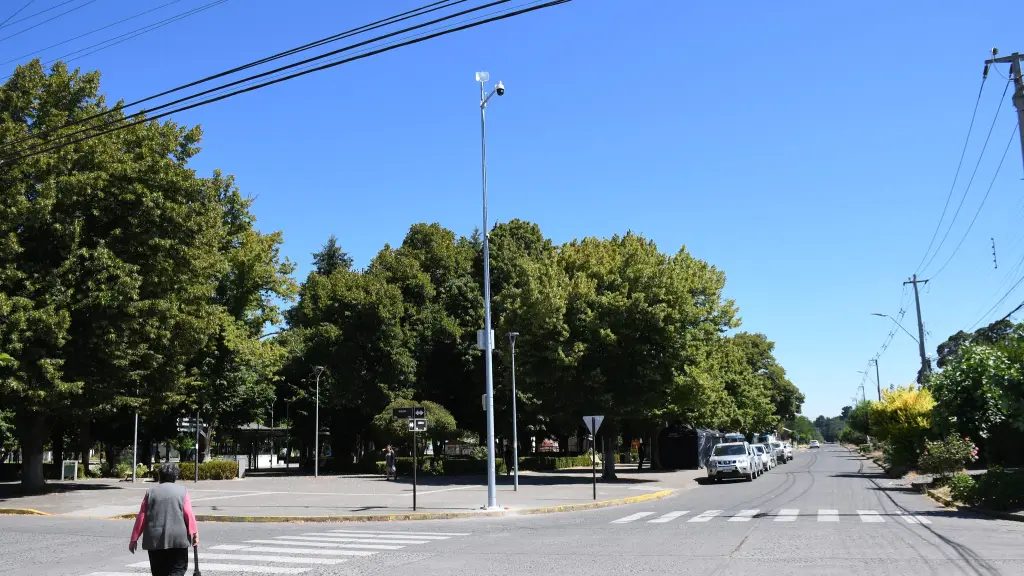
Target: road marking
{"type": "Point", "coordinates": [229, 547]}
{"type": "Point", "coordinates": [669, 517]}
{"type": "Point", "coordinates": [276, 550]}
{"type": "Point", "coordinates": [302, 541]}
{"type": "Point", "coordinates": [404, 537]}
{"type": "Point", "coordinates": [403, 533]}
{"type": "Point", "coordinates": [912, 519]}
{"type": "Point", "coordinates": [278, 559]}
{"type": "Point", "coordinates": [828, 515]}
{"type": "Point", "coordinates": [440, 490]}
{"type": "Point", "coordinates": [112, 574]}
{"type": "Point", "coordinates": [705, 516]}
{"type": "Point", "coordinates": [230, 496]}
{"type": "Point", "coordinates": [631, 517]}
{"type": "Point", "coordinates": [238, 568]}
{"type": "Point", "coordinates": [744, 516]}
{"type": "Point", "coordinates": [367, 540]}
{"type": "Point", "coordinates": [870, 516]}
{"type": "Point", "coordinates": [787, 515]}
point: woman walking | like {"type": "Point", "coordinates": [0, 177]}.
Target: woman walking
{"type": "Point", "coordinates": [389, 464]}
{"type": "Point", "coordinates": [167, 525]}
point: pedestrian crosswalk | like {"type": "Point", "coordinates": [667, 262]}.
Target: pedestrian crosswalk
{"type": "Point", "coordinates": [300, 552]}
{"type": "Point", "coordinates": [780, 515]}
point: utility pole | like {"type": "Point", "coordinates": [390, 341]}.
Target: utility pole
{"type": "Point", "coordinates": [1016, 61]}
{"type": "Point", "coordinates": [926, 366]}
{"type": "Point", "coordinates": [878, 379]}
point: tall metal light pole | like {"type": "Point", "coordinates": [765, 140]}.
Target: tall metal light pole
{"type": "Point", "coordinates": [492, 500]}
{"type": "Point", "coordinates": [515, 423]}
{"type": "Point", "coordinates": [135, 443]}
{"type": "Point", "coordinates": [316, 438]}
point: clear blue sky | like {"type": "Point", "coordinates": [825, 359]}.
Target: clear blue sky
{"type": "Point", "coordinates": [805, 148]}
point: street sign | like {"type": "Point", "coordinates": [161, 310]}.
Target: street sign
{"type": "Point", "coordinates": [409, 412]}
{"type": "Point", "coordinates": [593, 423]}
{"type": "Point", "coordinates": [421, 425]}
{"type": "Point", "coordinates": [412, 425]}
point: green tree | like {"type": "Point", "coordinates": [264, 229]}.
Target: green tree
{"type": "Point", "coordinates": [331, 258]}
{"type": "Point", "coordinates": [441, 426]}
{"type": "Point", "coordinates": [110, 252]}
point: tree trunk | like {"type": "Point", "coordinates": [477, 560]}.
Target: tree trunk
{"type": "Point", "coordinates": [84, 443]}
{"type": "Point", "coordinates": [609, 437]}
{"type": "Point", "coordinates": [206, 441]}
{"type": "Point", "coordinates": [655, 452]}
{"type": "Point", "coordinates": [32, 433]}
{"type": "Point", "coordinates": [57, 444]}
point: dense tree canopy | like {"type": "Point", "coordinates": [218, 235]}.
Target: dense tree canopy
{"type": "Point", "coordinates": [128, 283]}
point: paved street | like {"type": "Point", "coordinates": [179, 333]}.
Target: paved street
{"type": "Point", "coordinates": [827, 512]}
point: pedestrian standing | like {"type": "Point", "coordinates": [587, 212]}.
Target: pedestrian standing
{"type": "Point", "coordinates": [167, 525]}
{"type": "Point", "coordinates": [640, 455]}
{"type": "Point", "coordinates": [390, 463]}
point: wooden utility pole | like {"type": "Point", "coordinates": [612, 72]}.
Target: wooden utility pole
{"type": "Point", "coordinates": [926, 366]}
{"type": "Point", "coordinates": [1016, 62]}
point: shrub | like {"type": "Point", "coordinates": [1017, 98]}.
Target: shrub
{"type": "Point", "coordinates": [444, 466]}
{"type": "Point", "coordinates": [998, 489]}
{"type": "Point", "coordinates": [866, 448]}
{"type": "Point", "coordinates": [962, 488]}
{"type": "Point", "coordinates": [548, 463]}
{"type": "Point", "coordinates": [212, 470]}
{"type": "Point", "coordinates": [946, 457]}
{"type": "Point", "coordinates": [121, 470]}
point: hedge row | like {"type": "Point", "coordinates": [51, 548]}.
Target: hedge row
{"type": "Point", "coordinates": [996, 489]}
{"type": "Point", "coordinates": [444, 466]}
{"type": "Point", "coordinates": [548, 463]}
{"type": "Point", "coordinates": [212, 470]}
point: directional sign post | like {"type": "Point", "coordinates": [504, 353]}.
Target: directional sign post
{"type": "Point", "coordinates": [593, 423]}
{"type": "Point", "coordinates": [417, 422]}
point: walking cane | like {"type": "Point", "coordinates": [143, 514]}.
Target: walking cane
{"type": "Point", "coordinates": [195, 557]}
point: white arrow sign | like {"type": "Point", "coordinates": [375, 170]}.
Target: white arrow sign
{"type": "Point", "coordinates": [593, 423]}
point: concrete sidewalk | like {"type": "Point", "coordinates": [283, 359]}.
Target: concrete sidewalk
{"type": "Point", "coordinates": [356, 497]}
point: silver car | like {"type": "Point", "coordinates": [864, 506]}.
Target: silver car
{"type": "Point", "coordinates": [767, 461]}
{"type": "Point", "coordinates": [779, 450]}
{"type": "Point", "coordinates": [733, 460]}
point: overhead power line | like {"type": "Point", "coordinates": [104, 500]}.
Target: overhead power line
{"type": "Point", "coordinates": [333, 38]}
{"type": "Point", "coordinates": [136, 33]}
{"type": "Point", "coordinates": [478, 22]}
{"type": "Point", "coordinates": [16, 12]}
{"type": "Point", "coordinates": [111, 25]}
{"type": "Point", "coordinates": [981, 155]}
{"type": "Point", "coordinates": [980, 206]}
{"type": "Point", "coordinates": [956, 175]}
{"type": "Point", "coordinates": [20, 32]}
{"type": "Point", "coordinates": [31, 16]}
{"type": "Point", "coordinates": [996, 305]}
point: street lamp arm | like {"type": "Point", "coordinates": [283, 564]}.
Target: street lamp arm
{"type": "Point", "coordinates": [914, 338]}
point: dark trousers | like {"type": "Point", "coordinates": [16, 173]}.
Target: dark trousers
{"type": "Point", "coordinates": [170, 562]}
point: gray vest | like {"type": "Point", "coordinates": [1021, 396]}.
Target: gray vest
{"type": "Point", "coordinates": [165, 518]}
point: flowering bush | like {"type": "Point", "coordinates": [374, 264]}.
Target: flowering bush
{"type": "Point", "coordinates": [946, 457]}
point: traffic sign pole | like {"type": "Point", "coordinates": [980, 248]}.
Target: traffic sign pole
{"type": "Point", "coordinates": [414, 467]}
{"type": "Point", "coordinates": [593, 455]}
{"type": "Point", "coordinates": [197, 447]}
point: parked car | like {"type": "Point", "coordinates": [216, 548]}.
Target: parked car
{"type": "Point", "coordinates": [780, 452]}
{"type": "Point", "coordinates": [814, 444]}
{"type": "Point", "coordinates": [767, 462]}
{"type": "Point", "coordinates": [733, 460]}
{"type": "Point", "coordinates": [788, 450]}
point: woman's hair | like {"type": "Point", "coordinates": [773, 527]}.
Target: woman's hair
{"type": "Point", "coordinates": [169, 472]}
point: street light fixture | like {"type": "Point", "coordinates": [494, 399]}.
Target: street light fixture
{"type": "Point", "coordinates": [914, 338]}
{"type": "Point", "coordinates": [515, 423]}
{"type": "Point", "coordinates": [482, 78]}
{"type": "Point", "coordinates": [318, 370]}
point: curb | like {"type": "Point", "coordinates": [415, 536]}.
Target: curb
{"type": "Point", "coordinates": [422, 515]}
{"type": "Point", "coordinates": [23, 512]}
{"type": "Point", "coordinates": [592, 505]}
{"type": "Point", "coordinates": [991, 513]}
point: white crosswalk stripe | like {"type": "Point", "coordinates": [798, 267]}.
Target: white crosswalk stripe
{"type": "Point", "coordinates": [206, 566]}
{"type": "Point", "coordinates": [705, 516]}
{"type": "Point", "coordinates": [828, 515]}
{"type": "Point", "coordinates": [669, 517]}
{"type": "Point", "coordinates": [912, 519]}
{"type": "Point", "coordinates": [870, 516]}
{"type": "Point", "coordinates": [324, 543]}
{"type": "Point", "coordinates": [787, 515]}
{"type": "Point", "coordinates": [278, 558]}
{"type": "Point", "coordinates": [744, 516]}
{"type": "Point", "coordinates": [631, 517]}
{"type": "Point", "coordinates": [298, 554]}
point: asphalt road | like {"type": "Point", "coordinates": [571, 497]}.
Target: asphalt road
{"type": "Point", "coordinates": [828, 512]}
